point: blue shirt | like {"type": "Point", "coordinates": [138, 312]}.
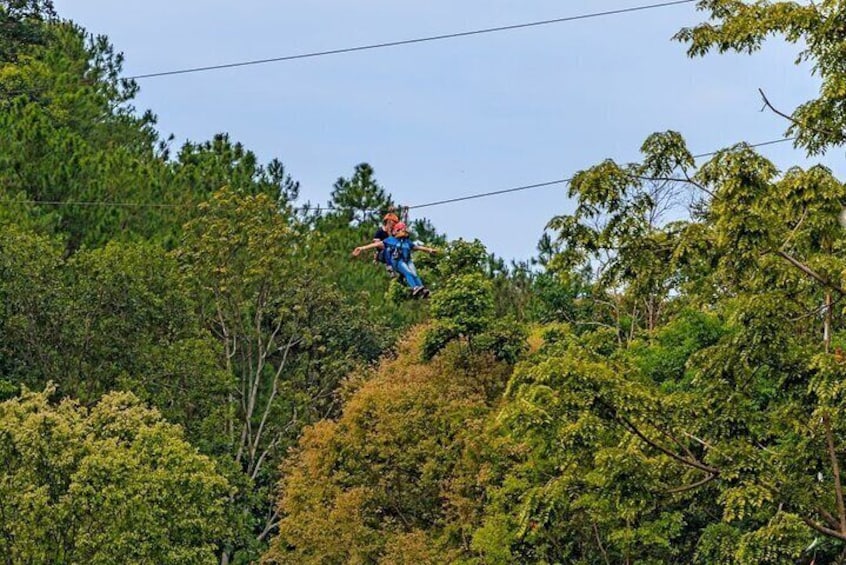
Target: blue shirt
{"type": "Point", "coordinates": [398, 249]}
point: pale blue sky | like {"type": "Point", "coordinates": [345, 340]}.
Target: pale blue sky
{"type": "Point", "coordinates": [445, 119]}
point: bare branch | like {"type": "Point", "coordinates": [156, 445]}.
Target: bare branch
{"type": "Point", "coordinates": [823, 530]}
{"type": "Point", "coordinates": [818, 310]}
{"type": "Point", "coordinates": [795, 121]}
{"type": "Point", "coordinates": [271, 524]}
{"type": "Point", "coordinates": [696, 184]}
{"type": "Point", "coordinates": [810, 272]}
{"type": "Point", "coordinates": [835, 467]}
{"type": "Point", "coordinates": [707, 445]}
{"type": "Point", "coordinates": [599, 324]}
{"type": "Point", "coordinates": [683, 460]}
{"type": "Point", "coordinates": [275, 390]}
{"type": "Point", "coordinates": [674, 439]}
{"type": "Point", "coordinates": [827, 323]}
{"type": "Point", "coordinates": [599, 542]}
{"type": "Point", "coordinates": [832, 521]}
{"type": "Point", "coordinates": [686, 179]}
{"type": "Point", "coordinates": [795, 229]}
{"type": "Point", "coordinates": [241, 444]}
{"type": "Point", "coordinates": [692, 486]}
{"type": "Point", "coordinates": [264, 454]}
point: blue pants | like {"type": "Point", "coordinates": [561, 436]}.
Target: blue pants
{"type": "Point", "coordinates": [409, 271]}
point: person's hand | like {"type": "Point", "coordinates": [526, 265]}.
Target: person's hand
{"type": "Point", "coordinates": [356, 251]}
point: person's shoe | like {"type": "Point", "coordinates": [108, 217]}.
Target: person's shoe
{"type": "Point", "coordinates": [415, 292]}
{"type": "Point", "coordinates": [424, 293]}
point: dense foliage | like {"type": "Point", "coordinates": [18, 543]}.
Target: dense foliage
{"type": "Point", "coordinates": [193, 369]}
{"type": "Point", "coordinates": [113, 483]}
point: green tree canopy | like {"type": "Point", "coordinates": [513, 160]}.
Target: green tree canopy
{"type": "Point", "coordinates": [113, 483]}
{"type": "Point", "coordinates": [393, 479]}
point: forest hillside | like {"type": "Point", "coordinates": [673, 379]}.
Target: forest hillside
{"type": "Point", "coordinates": [194, 369]}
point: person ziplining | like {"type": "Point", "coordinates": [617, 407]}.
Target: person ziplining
{"type": "Point", "coordinates": [384, 232]}
{"type": "Point", "coordinates": [396, 253]}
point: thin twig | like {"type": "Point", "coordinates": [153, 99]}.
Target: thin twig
{"type": "Point", "coordinates": [599, 542]}
{"type": "Point", "coordinates": [795, 121]}
{"type": "Point", "coordinates": [689, 462]}
{"type": "Point", "coordinates": [818, 310]}
{"type": "Point", "coordinates": [686, 179]}
{"type": "Point", "coordinates": [795, 229]}
{"type": "Point", "coordinates": [811, 273]}
{"type": "Point", "coordinates": [835, 467]}
{"type": "Point", "coordinates": [692, 486]}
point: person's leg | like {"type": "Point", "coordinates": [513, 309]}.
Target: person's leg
{"type": "Point", "coordinates": [422, 290]}
{"type": "Point", "coordinates": [413, 269]}
{"type": "Point", "coordinates": [409, 272]}
{"type": "Point", "coordinates": [391, 269]}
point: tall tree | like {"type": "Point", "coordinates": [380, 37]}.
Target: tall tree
{"type": "Point", "coordinates": [759, 252]}
{"type": "Point", "coordinates": [392, 480]}
{"type": "Point", "coordinates": [463, 307]}
{"type": "Point", "coordinates": [619, 231]}
{"type": "Point", "coordinates": [120, 317]}
{"type": "Point", "coordinates": [69, 136]}
{"type": "Point", "coordinates": [287, 336]}
{"type": "Point", "coordinates": [359, 199]}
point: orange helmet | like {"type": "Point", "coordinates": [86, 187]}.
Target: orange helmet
{"type": "Point", "coordinates": [390, 217]}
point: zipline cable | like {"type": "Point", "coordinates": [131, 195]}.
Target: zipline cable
{"type": "Point", "coordinates": [561, 181]}
{"type": "Point", "coordinates": [409, 41]}
{"type": "Point", "coordinates": [329, 209]}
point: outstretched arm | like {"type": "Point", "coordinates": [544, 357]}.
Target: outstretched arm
{"type": "Point", "coordinates": [431, 250]}
{"type": "Point", "coordinates": [374, 245]}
